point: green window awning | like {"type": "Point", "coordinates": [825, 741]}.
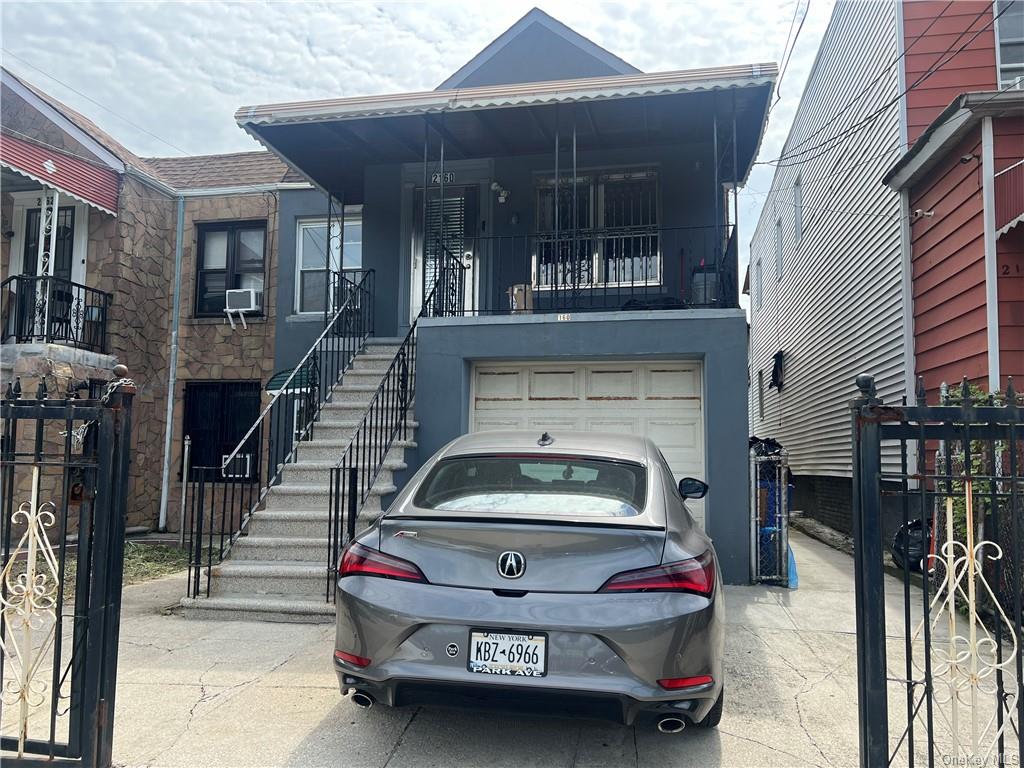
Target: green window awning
{"type": "Point", "coordinates": [305, 378]}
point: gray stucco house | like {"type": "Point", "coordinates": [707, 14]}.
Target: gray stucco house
{"type": "Point", "coordinates": [560, 227]}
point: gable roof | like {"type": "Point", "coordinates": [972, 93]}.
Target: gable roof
{"type": "Point", "coordinates": [537, 16]}
{"type": "Point", "coordinates": [83, 124]}
{"type": "Point", "coordinates": [223, 171]}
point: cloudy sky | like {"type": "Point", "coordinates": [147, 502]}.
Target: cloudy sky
{"type": "Point", "coordinates": [165, 78]}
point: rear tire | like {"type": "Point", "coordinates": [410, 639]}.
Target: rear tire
{"type": "Point", "coordinates": [714, 715]}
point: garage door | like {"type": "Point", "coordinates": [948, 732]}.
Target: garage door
{"type": "Point", "coordinates": [660, 399]}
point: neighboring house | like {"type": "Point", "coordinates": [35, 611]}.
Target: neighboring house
{"type": "Point", "coordinates": [104, 294]}
{"type": "Point", "coordinates": [917, 276]}
{"type": "Point", "coordinates": [563, 182]}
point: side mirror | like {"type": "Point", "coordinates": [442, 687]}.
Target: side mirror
{"type": "Point", "coordinates": [692, 488]}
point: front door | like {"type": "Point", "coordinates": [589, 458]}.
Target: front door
{"type": "Point", "coordinates": [64, 244]}
{"type": "Point", "coordinates": [451, 230]}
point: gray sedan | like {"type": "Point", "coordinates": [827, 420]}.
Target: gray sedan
{"type": "Point", "coordinates": [541, 572]}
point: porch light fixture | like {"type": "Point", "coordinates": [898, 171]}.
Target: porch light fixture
{"type": "Point", "coordinates": [503, 194]}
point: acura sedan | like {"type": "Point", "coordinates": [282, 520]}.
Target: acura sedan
{"type": "Point", "coordinates": [535, 570]}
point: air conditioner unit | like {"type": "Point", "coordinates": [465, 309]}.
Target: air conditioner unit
{"type": "Point", "coordinates": [240, 467]}
{"type": "Point", "coordinates": [243, 300]}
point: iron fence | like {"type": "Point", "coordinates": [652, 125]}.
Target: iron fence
{"type": "Point", "coordinates": [54, 310]}
{"type": "Point", "coordinates": [220, 500]}
{"type": "Point", "coordinates": [63, 472]}
{"type": "Point", "coordinates": [954, 682]}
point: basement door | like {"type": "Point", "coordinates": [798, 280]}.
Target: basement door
{"type": "Point", "coordinates": [662, 400]}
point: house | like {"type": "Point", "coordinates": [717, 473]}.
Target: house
{"type": "Point", "coordinates": [102, 286]}
{"type": "Point", "coordinates": [888, 243]}
{"type": "Point", "coordinates": [555, 232]}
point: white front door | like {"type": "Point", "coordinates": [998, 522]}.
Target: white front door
{"type": "Point", "coordinates": [662, 400]}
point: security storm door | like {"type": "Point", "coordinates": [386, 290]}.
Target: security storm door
{"type": "Point", "coordinates": [662, 400]}
{"type": "Point", "coordinates": [451, 230]}
{"type": "Point", "coordinates": [64, 244]}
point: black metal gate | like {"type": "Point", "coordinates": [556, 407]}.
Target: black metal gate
{"type": "Point", "coordinates": [63, 478]}
{"type": "Point", "coordinates": [951, 675]}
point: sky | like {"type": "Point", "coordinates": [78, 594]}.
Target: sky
{"type": "Point", "coordinates": [165, 78]}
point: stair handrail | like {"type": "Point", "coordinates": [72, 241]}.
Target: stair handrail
{"type": "Point", "coordinates": [357, 470]}
{"type": "Point", "coordinates": [220, 500]}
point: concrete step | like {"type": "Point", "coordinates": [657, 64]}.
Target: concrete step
{"type": "Point", "coordinates": [344, 429]}
{"type": "Point", "coordinates": [279, 577]}
{"type": "Point", "coordinates": [355, 392]}
{"type": "Point", "coordinates": [331, 450]}
{"type": "Point", "coordinates": [372, 362]}
{"type": "Point", "coordinates": [280, 608]}
{"type": "Point", "coordinates": [299, 524]}
{"type": "Point", "coordinates": [350, 409]}
{"type": "Point", "coordinates": [355, 377]}
{"type": "Point", "coordinates": [306, 549]}
{"type": "Point", "coordinates": [316, 496]}
{"type": "Point", "coordinates": [319, 472]}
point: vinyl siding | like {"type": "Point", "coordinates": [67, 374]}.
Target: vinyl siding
{"type": "Point", "coordinates": [932, 44]}
{"type": "Point", "coordinates": [836, 312]}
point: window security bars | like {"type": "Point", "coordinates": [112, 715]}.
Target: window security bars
{"type": "Point", "coordinates": [954, 685]}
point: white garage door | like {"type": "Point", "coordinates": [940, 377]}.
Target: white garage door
{"type": "Point", "coordinates": [662, 400]}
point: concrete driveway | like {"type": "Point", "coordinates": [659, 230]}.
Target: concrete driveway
{"type": "Point", "coordinates": [205, 693]}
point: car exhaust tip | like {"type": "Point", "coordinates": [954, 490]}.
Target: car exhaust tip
{"type": "Point", "coordinates": [671, 725]}
{"type": "Point", "coordinates": [362, 700]}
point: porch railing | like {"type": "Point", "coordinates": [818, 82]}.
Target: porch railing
{"type": "Point", "coordinates": [55, 311]}
{"type": "Point", "coordinates": [220, 500]}
{"type": "Point", "coordinates": [623, 268]}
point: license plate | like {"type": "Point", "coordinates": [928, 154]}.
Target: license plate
{"type": "Point", "coordinates": [508, 653]}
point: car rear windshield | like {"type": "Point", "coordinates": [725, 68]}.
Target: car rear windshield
{"type": "Point", "coordinates": [556, 486]}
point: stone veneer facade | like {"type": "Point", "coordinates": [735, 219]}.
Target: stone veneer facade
{"type": "Point", "coordinates": [208, 348]}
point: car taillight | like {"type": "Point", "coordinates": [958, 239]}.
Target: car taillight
{"type": "Point", "coordinates": [696, 575]}
{"type": "Point", "coordinates": [351, 658]}
{"type": "Point", "coordinates": [364, 561]}
{"type": "Point", "coordinates": [675, 683]}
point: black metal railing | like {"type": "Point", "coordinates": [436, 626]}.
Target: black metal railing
{"type": "Point", "coordinates": [956, 687]}
{"type": "Point", "coordinates": [623, 268]}
{"type": "Point", "coordinates": [63, 486]}
{"type": "Point", "coordinates": [220, 500]}
{"type": "Point", "coordinates": [53, 310]}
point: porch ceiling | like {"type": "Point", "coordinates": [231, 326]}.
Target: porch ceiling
{"type": "Point", "coordinates": [332, 143]}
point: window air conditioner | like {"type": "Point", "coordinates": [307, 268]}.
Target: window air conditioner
{"type": "Point", "coordinates": [243, 300]}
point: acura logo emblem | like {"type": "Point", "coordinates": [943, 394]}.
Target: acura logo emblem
{"type": "Point", "coordinates": [511, 564]}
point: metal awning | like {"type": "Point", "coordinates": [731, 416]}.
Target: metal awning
{"type": "Point", "coordinates": [305, 377]}
{"type": "Point", "coordinates": [85, 181]}
{"type": "Point", "coordinates": [331, 142]}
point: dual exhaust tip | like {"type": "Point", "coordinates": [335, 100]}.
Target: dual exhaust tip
{"type": "Point", "coordinates": [666, 724]}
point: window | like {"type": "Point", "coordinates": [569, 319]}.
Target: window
{"type": "Point", "coordinates": [760, 394]}
{"type": "Point", "coordinates": [778, 249]}
{"type": "Point", "coordinates": [230, 256]}
{"type": "Point", "coordinates": [798, 209]}
{"type": "Point", "coordinates": [1010, 33]}
{"type": "Point", "coordinates": [574, 246]}
{"type": "Point", "coordinates": [311, 258]}
{"type": "Point", "coordinates": [217, 416]}
{"type": "Point", "coordinates": [535, 485]}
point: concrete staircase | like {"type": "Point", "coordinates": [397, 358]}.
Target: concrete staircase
{"type": "Point", "coordinates": [278, 571]}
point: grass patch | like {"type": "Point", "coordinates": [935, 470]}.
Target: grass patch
{"type": "Point", "coordinates": [144, 562]}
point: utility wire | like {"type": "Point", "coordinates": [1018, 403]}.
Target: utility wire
{"type": "Point", "coordinates": [787, 57]}
{"type": "Point", "coordinates": [867, 120]}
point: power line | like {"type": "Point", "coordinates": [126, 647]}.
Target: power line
{"type": "Point", "coordinates": [789, 56]}
{"type": "Point", "coordinates": [98, 104]}
{"type": "Point", "coordinates": [867, 120]}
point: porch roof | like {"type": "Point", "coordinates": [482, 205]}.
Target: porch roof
{"type": "Point", "coordinates": [91, 183]}
{"type": "Point", "coordinates": [332, 141]}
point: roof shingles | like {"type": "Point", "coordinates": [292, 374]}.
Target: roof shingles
{"type": "Point", "coordinates": [212, 171]}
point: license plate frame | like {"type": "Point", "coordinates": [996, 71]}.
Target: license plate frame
{"type": "Point", "coordinates": [529, 636]}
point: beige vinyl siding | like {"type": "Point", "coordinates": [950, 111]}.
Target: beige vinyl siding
{"type": "Point", "coordinates": [837, 310]}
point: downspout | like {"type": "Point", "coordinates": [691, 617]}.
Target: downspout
{"type": "Point", "coordinates": [991, 271]}
{"type": "Point", "coordinates": [172, 375]}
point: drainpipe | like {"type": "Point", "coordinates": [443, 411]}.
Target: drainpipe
{"type": "Point", "coordinates": [172, 375]}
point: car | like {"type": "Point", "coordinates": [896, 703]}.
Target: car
{"type": "Point", "coordinates": [529, 570]}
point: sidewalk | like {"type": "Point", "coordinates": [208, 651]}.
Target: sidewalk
{"type": "Point", "coordinates": [209, 693]}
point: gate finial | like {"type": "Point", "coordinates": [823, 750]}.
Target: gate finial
{"type": "Point", "coordinates": [866, 385]}
{"type": "Point", "coordinates": [922, 393]}
{"type": "Point", "coordinates": [965, 392]}
{"type": "Point", "coordinates": [1011, 393]}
